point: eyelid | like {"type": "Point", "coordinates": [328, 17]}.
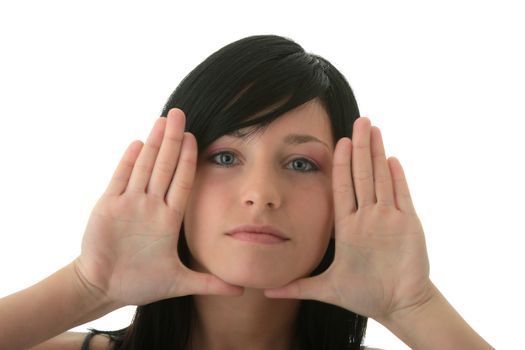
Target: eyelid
{"type": "Point", "coordinates": [313, 164]}
{"type": "Point", "coordinates": [214, 154]}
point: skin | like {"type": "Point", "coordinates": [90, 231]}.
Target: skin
{"type": "Point", "coordinates": [380, 243]}
{"type": "Point", "coordinates": [264, 182]}
{"type": "Point", "coordinates": [129, 249]}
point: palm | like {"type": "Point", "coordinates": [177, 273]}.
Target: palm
{"type": "Point", "coordinates": [129, 249]}
{"type": "Point", "coordinates": [381, 258]}
{"type": "Point", "coordinates": [132, 242]}
{"type": "Point", "coordinates": [380, 262]}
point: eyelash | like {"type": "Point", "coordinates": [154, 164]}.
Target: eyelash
{"type": "Point", "coordinates": [312, 166]}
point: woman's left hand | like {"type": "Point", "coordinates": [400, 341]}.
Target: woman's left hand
{"type": "Point", "coordinates": [381, 263]}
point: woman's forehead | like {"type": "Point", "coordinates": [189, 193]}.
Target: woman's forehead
{"type": "Point", "coordinates": [310, 118]}
{"type": "Point", "coordinates": [304, 123]}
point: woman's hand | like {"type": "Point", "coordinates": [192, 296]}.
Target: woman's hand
{"type": "Point", "coordinates": [381, 264]}
{"type": "Point", "coordinates": [129, 250]}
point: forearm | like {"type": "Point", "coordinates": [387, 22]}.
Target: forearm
{"type": "Point", "coordinates": [434, 325]}
{"type": "Point", "coordinates": [50, 307]}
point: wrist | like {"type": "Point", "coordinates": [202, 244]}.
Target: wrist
{"type": "Point", "coordinates": [95, 301]}
{"type": "Point", "coordinates": [433, 324]}
{"type": "Point", "coordinates": [414, 311]}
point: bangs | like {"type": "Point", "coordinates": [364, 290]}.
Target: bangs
{"type": "Point", "coordinates": [248, 84]}
{"type": "Point", "coordinates": [280, 88]}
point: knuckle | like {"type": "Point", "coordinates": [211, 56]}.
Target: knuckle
{"type": "Point", "coordinates": [362, 175]}
{"type": "Point", "coordinates": [165, 167]}
{"type": "Point", "coordinates": [120, 178]}
{"type": "Point", "coordinates": [156, 195]}
{"type": "Point", "coordinates": [133, 191]}
{"type": "Point", "coordinates": [190, 162]}
{"type": "Point", "coordinates": [174, 137]}
{"type": "Point", "coordinates": [382, 178]}
{"type": "Point", "coordinates": [378, 154]}
{"type": "Point", "coordinates": [382, 202]}
{"type": "Point", "coordinates": [400, 179]}
{"type": "Point", "coordinates": [126, 164]}
{"type": "Point", "coordinates": [361, 146]}
{"type": "Point", "coordinates": [343, 188]}
{"type": "Point", "coordinates": [153, 146]}
{"type": "Point", "coordinates": [143, 167]}
{"type": "Point", "coordinates": [365, 203]}
{"type": "Point", "coordinates": [183, 185]}
{"type": "Point", "coordinates": [341, 164]}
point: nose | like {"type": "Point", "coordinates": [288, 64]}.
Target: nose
{"type": "Point", "coordinates": [260, 189]}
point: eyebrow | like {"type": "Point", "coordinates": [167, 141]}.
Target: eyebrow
{"type": "Point", "coordinates": [290, 139]}
{"type": "Point", "coordinates": [296, 139]}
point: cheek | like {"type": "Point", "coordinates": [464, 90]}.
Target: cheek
{"type": "Point", "coordinates": [203, 211]}
{"type": "Point", "coordinates": [313, 200]}
{"type": "Point", "coordinates": [313, 218]}
{"type": "Point", "coordinates": [200, 209]}
{"type": "Point", "coordinates": [206, 197]}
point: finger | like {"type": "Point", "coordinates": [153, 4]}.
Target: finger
{"type": "Point", "coordinates": [401, 191]}
{"type": "Point", "coordinates": [362, 163]}
{"type": "Point", "coordinates": [168, 155]}
{"type": "Point", "coordinates": [312, 288]}
{"type": "Point", "coordinates": [344, 196]}
{"type": "Point", "coordinates": [120, 177]}
{"type": "Point", "coordinates": [382, 178]}
{"type": "Point", "coordinates": [144, 165]}
{"type": "Point", "coordinates": [182, 182]}
{"type": "Point", "coordinates": [204, 284]}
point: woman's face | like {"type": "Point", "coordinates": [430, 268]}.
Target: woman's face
{"type": "Point", "coordinates": [276, 182]}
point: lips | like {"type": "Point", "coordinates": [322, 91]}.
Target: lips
{"type": "Point", "coordinates": [258, 234]}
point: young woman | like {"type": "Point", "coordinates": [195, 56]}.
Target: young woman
{"type": "Point", "coordinates": [261, 213]}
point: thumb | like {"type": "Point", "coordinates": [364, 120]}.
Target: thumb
{"type": "Point", "coordinates": [205, 284]}
{"type": "Point", "coordinates": [312, 288]}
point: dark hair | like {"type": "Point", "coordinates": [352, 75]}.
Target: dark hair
{"type": "Point", "coordinates": [263, 76]}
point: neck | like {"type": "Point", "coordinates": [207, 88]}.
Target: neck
{"type": "Point", "coordinates": [250, 321]}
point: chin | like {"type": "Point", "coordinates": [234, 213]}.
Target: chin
{"type": "Point", "coordinates": [257, 278]}
{"type": "Point", "coordinates": [255, 270]}
{"type": "Point", "coordinates": [258, 283]}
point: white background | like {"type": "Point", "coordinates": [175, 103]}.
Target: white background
{"type": "Point", "coordinates": [444, 81]}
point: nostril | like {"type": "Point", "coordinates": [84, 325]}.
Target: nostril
{"type": "Point", "coordinates": [270, 205]}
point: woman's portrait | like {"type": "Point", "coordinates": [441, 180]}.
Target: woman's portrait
{"type": "Point", "coordinates": [200, 176]}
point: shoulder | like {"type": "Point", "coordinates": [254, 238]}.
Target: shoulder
{"type": "Point", "coordinates": [73, 341]}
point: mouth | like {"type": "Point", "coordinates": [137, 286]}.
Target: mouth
{"type": "Point", "coordinates": [258, 234]}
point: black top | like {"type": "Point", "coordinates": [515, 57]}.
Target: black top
{"type": "Point", "coordinates": [87, 339]}
{"type": "Point", "coordinates": [92, 332]}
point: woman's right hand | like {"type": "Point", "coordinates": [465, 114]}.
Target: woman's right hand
{"type": "Point", "coordinates": [129, 250]}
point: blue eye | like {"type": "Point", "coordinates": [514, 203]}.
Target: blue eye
{"type": "Point", "coordinates": [226, 159]}
{"type": "Point", "coordinates": [303, 165]}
